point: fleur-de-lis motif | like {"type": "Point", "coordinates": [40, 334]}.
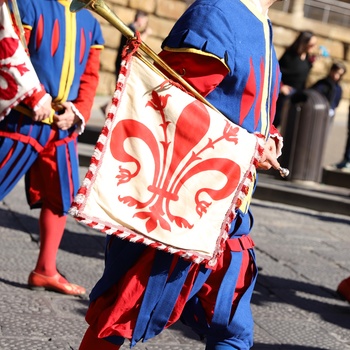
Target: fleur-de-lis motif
{"type": "Point", "coordinates": [9, 46]}
{"type": "Point", "coordinates": [179, 155]}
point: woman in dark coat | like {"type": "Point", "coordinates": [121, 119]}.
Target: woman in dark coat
{"type": "Point", "coordinates": [295, 65]}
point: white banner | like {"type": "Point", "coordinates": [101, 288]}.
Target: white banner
{"type": "Point", "coordinates": [167, 170]}
{"type": "Point", "coordinates": [17, 76]}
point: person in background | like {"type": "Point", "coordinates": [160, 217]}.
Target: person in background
{"type": "Point", "coordinates": [295, 64]}
{"type": "Point", "coordinates": [67, 64]}
{"type": "Point", "coordinates": [344, 165]}
{"type": "Point", "coordinates": [138, 295]}
{"type": "Point", "coordinates": [330, 86]}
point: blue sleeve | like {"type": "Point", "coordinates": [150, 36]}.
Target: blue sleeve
{"type": "Point", "coordinates": [97, 37]}
{"type": "Point", "coordinates": [203, 27]}
{"type": "Point", "coordinates": [27, 11]}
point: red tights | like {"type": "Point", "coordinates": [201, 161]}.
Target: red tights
{"type": "Point", "coordinates": [91, 342]}
{"type": "Point", "coordinates": [51, 231]}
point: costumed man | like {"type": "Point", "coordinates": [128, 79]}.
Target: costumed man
{"type": "Point", "coordinates": [224, 49]}
{"type": "Point", "coordinates": [65, 51]}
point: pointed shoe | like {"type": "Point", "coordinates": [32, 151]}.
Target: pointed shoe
{"type": "Point", "coordinates": [38, 281]}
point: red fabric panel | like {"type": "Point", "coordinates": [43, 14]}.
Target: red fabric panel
{"type": "Point", "coordinates": [203, 72]}
{"type": "Point", "coordinates": [210, 289]}
{"type": "Point", "coordinates": [91, 342]}
{"type": "Point", "coordinates": [120, 305]}
{"type": "Point", "coordinates": [44, 178]}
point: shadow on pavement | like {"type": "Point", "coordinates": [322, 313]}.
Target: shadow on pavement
{"type": "Point", "coordinates": [84, 244]}
{"type": "Point", "coordinates": [14, 284]}
{"type": "Point", "coordinates": [87, 243]}
{"type": "Point", "coordinates": [303, 296]}
{"type": "Point", "coordinates": [259, 346]}
{"type": "Point", "coordinates": [188, 333]}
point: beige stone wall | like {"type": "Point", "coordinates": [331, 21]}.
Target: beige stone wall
{"type": "Point", "coordinates": [163, 14]}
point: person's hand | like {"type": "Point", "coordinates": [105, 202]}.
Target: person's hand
{"type": "Point", "coordinates": [146, 33]}
{"type": "Point", "coordinates": [269, 156]}
{"type": "Point", "coordinates": [286, 90]}
{"type": "Point", "coordinates": [44, 110]}
{"type": "Point", "coordinates": [67, 118]}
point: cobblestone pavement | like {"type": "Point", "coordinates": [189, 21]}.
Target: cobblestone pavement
{"type": "Point", "coordinates": [303, 256]}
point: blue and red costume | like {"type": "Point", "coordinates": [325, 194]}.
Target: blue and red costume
{"type": "Point", "coordinates": [64, 49]}
{"type": "Point", "coordinates": [224, 49]}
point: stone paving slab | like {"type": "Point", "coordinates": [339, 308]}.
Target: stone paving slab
{"type": "Point", "coordinates": [303, 255]}
{"type": "Point", "coordinates": [301, 268]}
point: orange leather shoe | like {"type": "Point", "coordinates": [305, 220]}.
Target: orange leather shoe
{"type": "Point", "coordinates": [344, 289]}
{"type": "Point", "coordinates": [38, 281]}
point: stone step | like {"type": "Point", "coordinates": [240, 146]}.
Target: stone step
{"type": "Point", "coordinates": [316, 196]}
{"type": "Point", "coordinates": [335, 177]}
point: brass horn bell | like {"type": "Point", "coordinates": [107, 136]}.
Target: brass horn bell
{"type": "Point", "coordinates": [99, 7]}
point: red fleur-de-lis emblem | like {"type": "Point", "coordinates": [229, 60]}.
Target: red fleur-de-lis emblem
{"type": "Point", "coordinates": [8, 48]}
{"type": "Point", "coordinates": [179, 153]}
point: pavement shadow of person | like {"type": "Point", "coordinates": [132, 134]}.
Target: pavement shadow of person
{"type": "Point", "coordinates": [313, 298]}
{"type": "Point", "coordinates": [86, 242]}
{"type": "Point", "coordinates": [83, 305]}
{"type": "Point", "coordinates": [185, 331]}
{"type": "Point", "coordinates": [14, 221]}
{"type": "Point", "coordinates": [82, 241]}
{"type": "Point", "coordinates": [259, 346]}
{"type": "Point", "coordinates": [188, 333]}
{"type": "Point", "coordinates": [13, 283]}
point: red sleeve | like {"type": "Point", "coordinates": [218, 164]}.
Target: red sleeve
{"type": "Point", "coordinates": [273, 130]}
{"type": "Point", "coordinates": [277, 137]}
{"type": "Point", "coordinates": [88, 84]}
{"type": "Point", "coordinates": [203, 72]}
